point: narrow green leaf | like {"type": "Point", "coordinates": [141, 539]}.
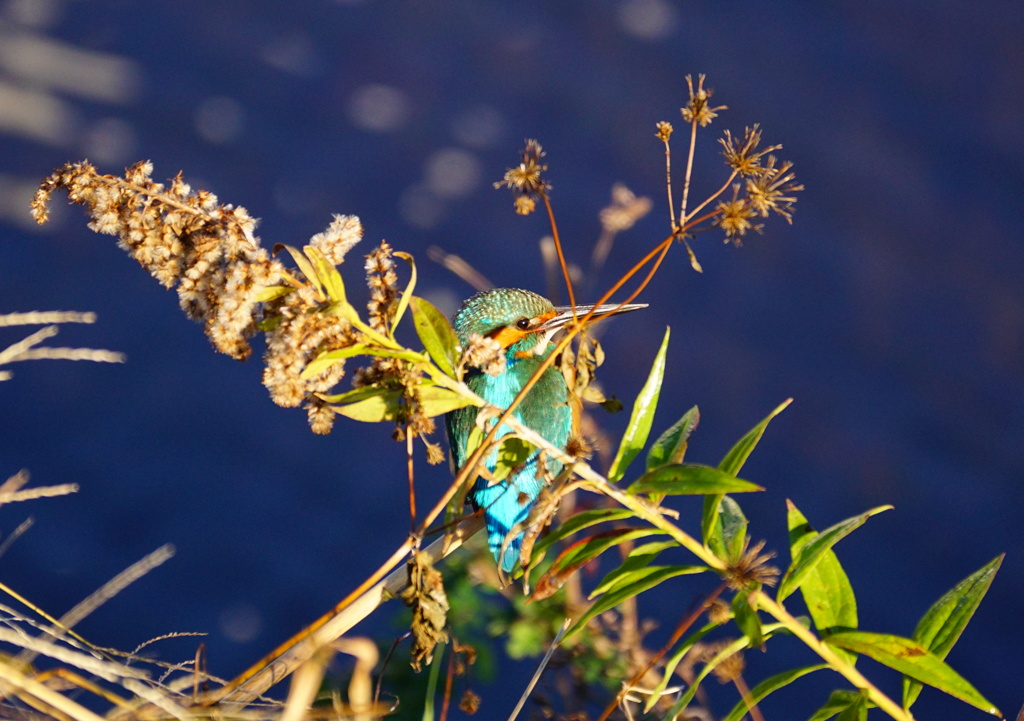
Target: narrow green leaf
{"type": "Point", "coordinates": [272, 292]}
{"type": "Point", "coordinates": [587, 549]}
{"type": "Point", "coordinates": [633, 576]}
{"type": "Point", "coordinates": [911, 658]}
{"type": "Point", "coordinates": [327, 274]}
{"type": "Point", "coordinates": [689, 479]}
{"type": "Point", "coordinates": [671, 445]}
{"type": "Point", "coordinates": [437, 401]}
{"type": "Point", "coordinates": [640, 420]}
{"type": "Point", "coordinates": [826, 589]}
{"type": "Point", "coordinates": [403, 302]}
{"type": "Point", "coordinates": [734, 527]}
{"type": "Point", "coordinates": [579, 554]}
{"type": "Point", "coordinates": [639, 557]}
{"type": "Point", "coordinates": [328, 358]}
{"type": "Point", "coordinates": [746, 618]}
{"type": "Point", "coordinates": [856, 711]}
{"type": "Point", "coordinates": [838, 702]}
{"type": "Point", "coordinates": [941, 626]}
{"type": "Point", "coordinates": [436, 334]}
{"type": "Point", "coordinates": [579, 521]}
{"type": "Point", "coordinates": [687, 696]}
{"type": "Point", "coordinates": [813, 551]}
{"type": "Point", "coordinates": [739, 453]}
{"type": "Point", "coordinates": [733, 462]}
{"type": "Point", "coordinates": [768, 686]}
{"type": "Point", "coordinates": [382, 405]}
{"type": "Point", "coordinates": [303, 264]}
{"type": "Point", "coordinates": [613, 599]}
{"type": "Point", "coordinates": [356, 394]}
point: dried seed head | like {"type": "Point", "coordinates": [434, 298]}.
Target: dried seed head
{"type": "Point", "coordinates": [773, 190]}
{"type": "Point", "coordinates": [486, 354]}
{"type": "Point", "coordinates": [525, 180]}
{"type": "Point", "coordinates": [664, 131]}
{"type": "Point", "coordinates": [383, 282]}
{"type": "Point", "coordinates": [734, 216]}
{"type": "Point", "coordinates": [339, 238]}
{"type": "Point", "coordinates": [751, 567]}
{"type": "Point", "coordinates": [744, 157]}
{"type": "Point", "coordinates": [697, 109]}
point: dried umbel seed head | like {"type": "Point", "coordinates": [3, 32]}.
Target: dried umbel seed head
{"type": "Point", "coordinates": [525, 180]}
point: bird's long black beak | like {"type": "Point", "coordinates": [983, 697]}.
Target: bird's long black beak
{"type": "Point", "coordinates": [564, 314]}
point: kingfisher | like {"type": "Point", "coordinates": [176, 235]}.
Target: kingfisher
{"type": "Point", "coordinates": [523, 324]}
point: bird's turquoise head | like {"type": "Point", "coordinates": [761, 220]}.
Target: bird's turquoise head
{"type": "Point", "coordinates": [511, 316]}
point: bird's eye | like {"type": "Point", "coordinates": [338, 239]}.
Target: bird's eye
{"type": "Point", "coordinates": [523, 324]}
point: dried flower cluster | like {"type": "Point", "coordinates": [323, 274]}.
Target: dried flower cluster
{"type": "Point", "coordinates": [206, 250]}
{"type": "Point", "coordinates": [184, 238]}
{"type": "Point", "coordinates": [525, 180]}
{"type": "Point", "coordinates": [697, 109]}
{"type": "Point", "coordinates": [486, 354]}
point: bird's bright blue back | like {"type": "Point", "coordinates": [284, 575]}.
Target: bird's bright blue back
{"type": "Point", "coordinates": [545, 409]}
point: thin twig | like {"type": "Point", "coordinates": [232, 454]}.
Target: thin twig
{"type": "Point", "coordinates": [540, 669]}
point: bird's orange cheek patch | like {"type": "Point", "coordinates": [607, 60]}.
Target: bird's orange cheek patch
{"type": "Point", "coordinates": [508, 336]}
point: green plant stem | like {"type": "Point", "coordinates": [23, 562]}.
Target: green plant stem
{"type": "Point", "coordinates": [839, 665]}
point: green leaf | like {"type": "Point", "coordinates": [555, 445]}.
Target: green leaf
{"type": "Point", "coordinates": [734, 527]}
{"type": "Point", "coordinates": [623, 593]}
{"type": "Point", "coordinates": [840, 701]}
{"type": "Point", "coordinates": [746, 618]}
{"type": "Point", "coordinates": [711, 531]}
{"type": "Point", "coordinates": [304, 265]}
{"type": "Point", "coordinates": [437, 401]}
{"type": "Point", "coordinates": [436, 334]}
{"type": "Point", "coordinates": [271, 292]}
{"type": "Point", "coordinates": [689, 479]}
{"type": "Point", "coordinates": [911, 658]}
{"type": "Point", "coordinates": [512, 453]}
{"type": "Point", "coordinates": [639, 557]}
{"type": "Point", "coordinates": [635, 575]}
{"type": "Point", "coordinates": [379, 404]}
{"type": "Point", "coordinates": [640, 420]}
{"type": "Point", "coordinates": [738, 454]}
{"type": "Point", "coordinates": [671, 445]}
{"type": "Point", "coordinates": [579, 521]}
{"type": "Point", "coordinates": [684, 700]}
{"type": "Point", "coordinates": [814, 550]}
{"type": "Point", "coordinates": [587, 549]}
{"type": "Point", "coordinates": [327, 274]}
{"type": "Point", "coordinates": [826, 589]}
{"type": "Point", "coordinates": [328, 358]}
{"type": "Point", "coordinates": [403, 302]}
{"type": "Point", "coordinates": [941, 626]}
{"type": "Point", "coordinates": [582, 552]}
{"type": "Point", "coordinates": [768, 686]}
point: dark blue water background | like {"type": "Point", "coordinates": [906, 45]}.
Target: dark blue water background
{"type": "Point", "coordinates": [892, 310]}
